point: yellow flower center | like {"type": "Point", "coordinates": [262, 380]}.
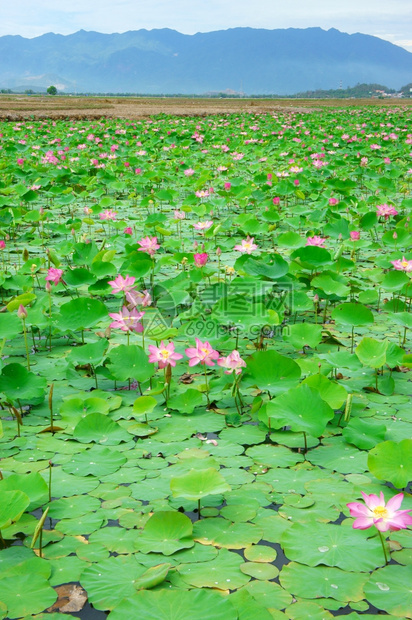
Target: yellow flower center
{"type": "Point", "coordinates": [404, 263]}
{"type": "Point", "coordinates": [165, 353]}
{"type": "Point", "coordinates": [381, 512]}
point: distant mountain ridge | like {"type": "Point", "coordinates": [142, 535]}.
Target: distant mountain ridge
{"type": "Point", "coordinates": [253, 61]}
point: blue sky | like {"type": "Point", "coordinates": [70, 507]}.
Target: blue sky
{"type": "Point", "coordinates": [387, 19]}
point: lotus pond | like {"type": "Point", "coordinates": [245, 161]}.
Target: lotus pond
{"type": "Point", "coordinates": [205, 333]}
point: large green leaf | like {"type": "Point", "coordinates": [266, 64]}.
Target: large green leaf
{"type": "Point", "coordinates": [272, 372]}
{"type": "Point", "coordinates": [166, 532]}
{"type": "Point", "coordinates": [352, 314]}
{"type": "Point", "coordinates": [130, 362]}
{"type": "Point", "coordinates": [32, 484]}
{"type": "Point", "coordinates": [12, 506]}
{"type": "Point", "coordinates": [17, 383]}
{"type": "Point", "coordinates": [98, 428]}
{"type": "Point", "coordinates": [392, 462]}
{"type": "Point", "coordinates": [81, 313]}
{"type": "Point", "coordinates": [316, 543]}
{"type": "Point", "coordinates": [371, 352]}
{"type": "Point", "coordinates": [322, 581]}
{"type": "Point", "coordinates": [175, 605]}
{"type": "Point", "coordinates": [222, 573]}
{"type": "Point", "coordinates": [198, 484]}
{"type": "Point", "coordinates": [389, 589]}
{"type": "Point", "coordinates": [302, 409]}
{"type": "Point", "coordinates": [26, 593]}
{"type": "Point", "coordinates": [303, 335]}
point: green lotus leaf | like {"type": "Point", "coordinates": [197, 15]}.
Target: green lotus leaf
{"type": "Point", "coordinates": [81, 313]}
{"type": "Point", "coordinates": [316, 543]}
{"type": "Point", "coordinates": [12, 506]}
{"type": "Point", "coordinates": [79, 277]}
{"type": "Point", "coordinates": [26, 591]}
{"type": "Point", "coordinates": [364, 434]}
{"type": "Point", "coordinates": [392, 462]}
{"type": "Point", "coordinates": [389, 589]}
{"type": "Point", "coordinates": [72, 507]}
{"type": "Point", "coordinates": [98, 428]}
{"type": "Point", "coordinates": [144, 405]}
{"type": "Point", "coordinates": [272, 372]}
{"type": "Point", "coordinates": [330, 391]}
{"type": "Point", "coordinates": [110, 581]}
{"type": "Point", "coordinates": [175, 605]}
{"type": "Point", "coordinates": [222, 533]}
{"type": "Point", "coordinates": [269, 594]}
{"type": "Point", "coordinates": [276, 269]}
{"type": "Point", "coordinates": [130, 362]}
{"type": "Point", "coordinates": [302, 409]}
{"type": "Point", "coordinates": [166, 532]}
{"type": "Point", "coordinates": [371, 352]}
{"type": "Point", "coordinates": [199, 484]}
{"type": "Point", "coordinates": [31, 484]}
{"type": "Point", "coordinates": [97, 461]}
{"type": "Point", "coordinates": [187, 401]}
{"type": "Point", "coordinates": [17, 383]}
{"type": "Point", "coordinates": [10, 325]}
{"type": "Point", "coordinates": [92, 353]}
{"type": "Point", "coordinates": [322, 581]}
{"type": "Point", "coordinates": [302, 335]}
{"type": "Point", "coordinates": [352, 314]}
{"type": "Point", "coordinates": [223, 572]}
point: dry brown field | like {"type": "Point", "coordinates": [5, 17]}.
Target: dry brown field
{"type": "Point", "coordinates": [21, 107]}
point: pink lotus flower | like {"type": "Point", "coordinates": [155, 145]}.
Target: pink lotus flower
{"type": "Point", "coordinates": [203, 193]}
{"type": "Point", "coordinates": [189, 172]}
{"type": "Point", "coordinates": [149, 245]}
{"type": "Point", "coordinates": [108, 215]}
{"type": "Point", "coordinates": [122, 285]}
{"type": "Point", "coordinates": [203, 354]}
{"type": "Point", "coordinates": [354, 235]}
{"type": "Point", "coordinates": [200, 259]}
{"type": "Point", "coordinates": [227, 186]}
{"type": "Point", "coordinates": [203, 225]}
{"type": "Point", "coordinates": [128, 230]}
{"type": "Point", "coordinates": [164, 355]}
{"type": "Point", "coordinates": [316, 240]}
{"type": "Point", "coordinates": [233, 362]}
{"type": "Point", "coordinates": [247, 246]}
{"type": "Point", "coordinates": [2, 244]}
{"type": "Point", "coordinates": [402, 265]}
{"type": "Point", "coordinates": [54, 275]}
{"type": "Point", "coordinates": [135, 298]}
{"type": "Point", "coordinates": [127, 321]}
{"type": "Point", "coordinates": [385, 211]}
{"type": "Point", "coordinates": [383, 516]}
{"type": "Point", "coordinates": [333, 201]}
{"type": "Point", "coordinates": [179, 215]}
{"type": "Point", "coordinates": [276, 200]}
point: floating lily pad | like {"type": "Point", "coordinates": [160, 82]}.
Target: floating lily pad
{"type": "Point", "coordinates": [166, 532]}
{"type": "Point", "coordinates": [392, 461]}
{"type": "Point", "coordinates": [389, 589]}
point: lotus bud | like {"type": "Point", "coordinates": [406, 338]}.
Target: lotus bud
{"type": "Point", "coordinates": [218, 252]}
{"type": "Point", "coordinates": [395, 235]}
{"type": "Point", "coordinates": [25, 254]}
{"type": "Point", "coordinates": [22, 312]}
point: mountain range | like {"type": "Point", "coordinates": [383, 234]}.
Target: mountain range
{"type": "Point", "coordinates": [164, 61]}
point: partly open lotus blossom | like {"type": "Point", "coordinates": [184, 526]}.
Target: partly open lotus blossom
{"type": "Point", "coordinates": [136, 298]}
{"type": "Point", "coordinates": [316, 240]}
{"type": "Point", "coordinates": [200, 259]}
{"type": "Point", "coordinates": [149, 245]}
{"type": "Point", "coordinates": [189, 172]}
{"type": "Point", "coordinates": [179, 215]}
{"type": "Point", "coordinates": [54, 275]}
{"type": "Point", "coordinates": [127, 321]}
{"type": "Point", "coordinates": [122, 285]}
{"type": "Point", "coordinates": [402, 265]}
{"type": "Point", "coordinates": [203, 225]}
{"type": "Point", "coordinates": [385, 210]}
{"type": "Point", "coordinates": [233, 362]}
{"type": "Point", "coordinates": [108, 215]}
{"type": "Point", "coordinates": [2, 244]}
{"type": "Point", "coordinates": [203, 354]}
{"type": "Point", "coordinates": [247, 246]}
{"type": "Point", "coordinates": [164, 355]}
{"type": "Point", "coordinates": [384, 516]}
{"type": "Point", "coordinates": [354, 235]}
{"type": "Point", "coordinates": [128, 230]}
